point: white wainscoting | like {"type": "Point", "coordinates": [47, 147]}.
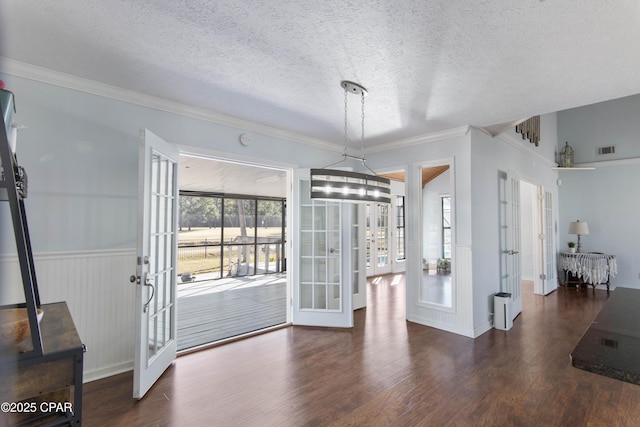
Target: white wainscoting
{"type": "Point", "coordinates": [100, 297]}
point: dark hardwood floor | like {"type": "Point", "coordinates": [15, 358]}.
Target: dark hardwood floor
{"type": "Point", "coordinates": [386, 372]}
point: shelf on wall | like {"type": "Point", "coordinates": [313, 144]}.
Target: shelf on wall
{"type": "Point", "coordinates": [574, 169]}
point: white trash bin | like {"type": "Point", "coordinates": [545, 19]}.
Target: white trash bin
{"type": "Point", "coordinates": [502, 318]}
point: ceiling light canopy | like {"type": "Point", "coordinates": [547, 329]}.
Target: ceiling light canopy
{"type": "Point", "coordinates": [345, 185]}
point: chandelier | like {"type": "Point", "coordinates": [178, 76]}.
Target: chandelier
{"type": "Point", "coordinates": [344, 185]}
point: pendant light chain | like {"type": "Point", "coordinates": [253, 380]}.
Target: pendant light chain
{"type": "Point", "coordinates": [344, 184]}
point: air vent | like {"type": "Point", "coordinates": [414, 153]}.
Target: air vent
{"type": "Point", "coordinates": [611, 149]}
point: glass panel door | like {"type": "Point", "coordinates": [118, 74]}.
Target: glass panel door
{"type": "Point", "coordinates": [321, 281]}
{"type": "Point", "coordinates": [550, 282]}
{"type": "Point", "coordinates": [358, 274]}
{"type": "Point", "coordinates": [378, 239]}
{"type": "Point", "coordinates": [156, 271]}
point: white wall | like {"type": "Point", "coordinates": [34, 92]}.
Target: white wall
{"type": "Point", "coordinates": [432, 150]}
{"type": "Point", "coordinates": [81, 153]}
{"type": "Point", "coordinates": [491, 157]}
{"type": "Point", "coordinates": [608, 197]}
{"type": "Point", "coordinates": [613, 122]}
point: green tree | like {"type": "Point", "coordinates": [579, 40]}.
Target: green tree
{"type": "Point", "coordinates": [198, 211]}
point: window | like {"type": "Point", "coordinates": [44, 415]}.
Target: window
{"type": "Point", "coordinates": [400, 245]}
{"type": "Point", "coordinates": [230, 235]}
{"type": "Point", "coordinates": [446, 226]}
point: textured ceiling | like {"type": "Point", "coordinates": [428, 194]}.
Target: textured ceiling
{"type": "Point", "coordinates": [429, 65]}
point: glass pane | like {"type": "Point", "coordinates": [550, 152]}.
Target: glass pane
{"type": "Point", "coordinates": [161, 203]}
{"type": "Point", "coordinates": [158, 298]}
{"type": "Point", "coordinates": [164, 169]}
{"type": "Point", "coordinates": [170, 173]}
{"type": "Point", "coordinates": [333, 243]}
{"type": "Point", "coordinates": [320, 270]}
{"type": "Point", "coordinates": [320, 297]}
{"type": "Point", "coordinates": [333, 217]}
{"type": "Point", "coordinates": [320, 243]}
{"type": "Point", "coordinates": [152, 337]}
{"type": "Point", "coordinates": [446, 212]}
{"type": "Point", "coordinates": [161, 330]}
{"type": "Point", "coordinates": [334, 297]}
{"type": "Point", "coordinates": [155, 159]}
{"type": "Point", "coordinates": [169, 251]}
{"type": "Point", "coordinates": [161, 258]}
{"type": "Point", "coordinates": [319, 218]}
{"type": "Point", "coordinates": [153, 224]}
{"type": "Point", "coordinates": [306, 239]}
{"type": "Point", "coordinates": [355, 277]}
{"type": "Point", "coordinates": [333, 265]}
{"type": "Point", "coordinates": [446, 244]}
{"type": "Point", "coordinates": [306, 270]}
{"type": "Point", "coordinates": [306, 296]}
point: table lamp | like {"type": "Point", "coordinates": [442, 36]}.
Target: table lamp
{"type": "Point", "coordinates": [580, 228]}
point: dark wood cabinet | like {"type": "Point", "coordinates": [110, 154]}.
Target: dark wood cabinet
{"type": "Point", "coordinates": [47, 389]}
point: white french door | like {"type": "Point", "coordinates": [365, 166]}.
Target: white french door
{"type": "Point", "coordinates": [513, 261]}
{"type": "Point", "coordinates": [358, 263]}
{"type": "Point", "coordinates": [550, 282]}
{"type": "Point", "coordinates": [378, 239]}
{"type": "Point", "coordinates": [155, 345]}
{"type": "Point", "coordinates": [321, 275]}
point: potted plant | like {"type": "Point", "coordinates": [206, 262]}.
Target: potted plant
{"type": "Point", "coordinates": [572, 247]}
{"type": "Point", "coordinates": [444, 265]}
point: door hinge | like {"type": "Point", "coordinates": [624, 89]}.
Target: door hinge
{"type": "Point", "coordinates": [543, 276]}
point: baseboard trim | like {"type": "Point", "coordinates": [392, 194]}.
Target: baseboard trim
{"type": "Point", "coordinates": [107, 371]}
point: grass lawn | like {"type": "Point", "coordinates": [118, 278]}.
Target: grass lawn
{"type": "Point", "coordinates": [229, 232]}
{"type": "Point", "coordinates": [207, 258]}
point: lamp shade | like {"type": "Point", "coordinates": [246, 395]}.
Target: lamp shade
{"type": "Point", "coordinates": [579, 227]}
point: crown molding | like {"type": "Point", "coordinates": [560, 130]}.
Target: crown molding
{"type": "Point", "coordinates": [508, 139]}
{"type": "Point", "coordinates": [421, 139]}
{"type": "Point", "coordinates": [68, 81]}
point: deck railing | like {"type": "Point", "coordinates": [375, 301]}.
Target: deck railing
{"type": "Point", "coordinates": [231, 258]}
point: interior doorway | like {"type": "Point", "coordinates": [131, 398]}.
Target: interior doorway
{"type": "Point", "coordinates": [231, 250]}
{"type": "Point", "coordinates": [531, 229]}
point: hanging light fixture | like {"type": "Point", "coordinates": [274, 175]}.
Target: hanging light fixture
{"type": "Point", "coordinates": [348, 186]}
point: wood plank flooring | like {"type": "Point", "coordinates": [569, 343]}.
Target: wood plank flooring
{"type": "Point", "coordinates": [386, 372]}
{"type": "Point", "coordinates": [215, 310]}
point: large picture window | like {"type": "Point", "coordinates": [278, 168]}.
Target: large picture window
{"type": "Point", "coordinates": [228, 235]}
